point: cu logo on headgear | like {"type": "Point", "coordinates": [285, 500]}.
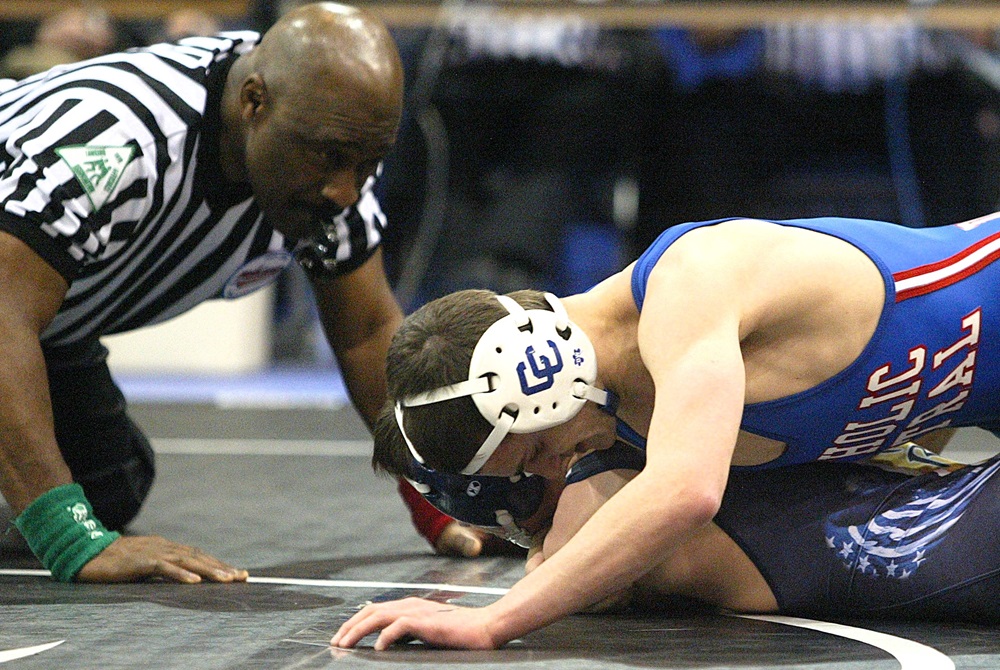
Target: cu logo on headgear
{"type": "Point", "coordinates": [542, 369]}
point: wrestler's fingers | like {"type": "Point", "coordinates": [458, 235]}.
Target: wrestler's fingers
{"type": "Point", "coordinates": [377, 616]}
{"type": "Point", "coordinates": [395, 632]}
{"type": "Point", "coordinates": [535, 558]}
{"type": "Point", "coordinates": [357, 627]}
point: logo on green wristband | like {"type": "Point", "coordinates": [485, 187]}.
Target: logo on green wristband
{"type": "Point", "coordinates": [82, 517]}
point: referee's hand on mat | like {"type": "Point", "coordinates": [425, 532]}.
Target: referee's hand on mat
{"type": "Point", "coordinates": [137, 558]}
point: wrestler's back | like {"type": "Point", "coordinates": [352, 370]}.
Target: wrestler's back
{"type": "Point", "coordinates": [817, 379]}
{"type": "Point", "coordinates": [810, 303]}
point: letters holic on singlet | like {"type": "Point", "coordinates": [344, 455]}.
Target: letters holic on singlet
{"type": "Point", "coordinates": [896, 392]}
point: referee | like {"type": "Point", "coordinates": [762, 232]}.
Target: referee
{"type": "Point", "coordinates": [136, 185]}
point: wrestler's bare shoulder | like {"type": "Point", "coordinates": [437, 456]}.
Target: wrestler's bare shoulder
{"type": "Point", "coordinates": [775, 267]}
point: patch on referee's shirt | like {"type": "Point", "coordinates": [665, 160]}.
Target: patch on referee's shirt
{"type": "Point", "coordinates": [98, 169]}
{"type": "Point", "coordinates": [256, 274]}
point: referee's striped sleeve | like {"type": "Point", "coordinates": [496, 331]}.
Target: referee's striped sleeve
{"type": "Point", "coordinates": [115, 111]}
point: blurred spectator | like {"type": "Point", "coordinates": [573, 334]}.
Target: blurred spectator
{"type": "Point", "coordinates": [86, 31]}
{"type": "Point", "coordinates": [519, 158]}
{"type": "Point", "coordinates": [854, 118]}
{"type": "Point", "coordinates": [188, 23]}
{"type": "Point", "coordinates": [71, 35]}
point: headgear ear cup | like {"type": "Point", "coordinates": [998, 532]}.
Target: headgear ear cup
{"type": "Point", "coordinates": [501, 504]}
{"type": "Point", "coordinates": [531, 370]}
{"type": "Point", "coordinates": [534, 358]}
{"type": "Point", "coordinates": [496, 504]}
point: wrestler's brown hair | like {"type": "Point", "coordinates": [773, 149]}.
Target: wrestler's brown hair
{"type": "Point", "coordinates": [433, 348]}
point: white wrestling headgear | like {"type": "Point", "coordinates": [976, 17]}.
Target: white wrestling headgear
{"type": "Point", "coordinates": [531, 370]}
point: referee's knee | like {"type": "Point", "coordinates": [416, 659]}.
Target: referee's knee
{"type": "Point", "coordinates": [117, 493]}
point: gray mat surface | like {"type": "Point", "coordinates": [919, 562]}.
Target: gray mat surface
{"type": "Point", "coordinates": [295, 513]}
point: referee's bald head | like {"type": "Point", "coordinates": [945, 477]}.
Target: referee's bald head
{"type": "Point", "coordinates": [327, 43]}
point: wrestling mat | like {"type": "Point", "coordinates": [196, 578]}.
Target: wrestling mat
{"type": "Point", "coordinates": [290, 496]}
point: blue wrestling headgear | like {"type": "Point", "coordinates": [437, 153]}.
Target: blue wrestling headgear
{"type": "Point", "coordinates": [495, 504]}
{"type": "Point", "coordinates": [531, 370]}
{"type": "Point", "coordinates": [499, 504]}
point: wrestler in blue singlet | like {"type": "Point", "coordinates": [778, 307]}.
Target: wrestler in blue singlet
{"type": "Point", "coordinates": [848, 539]}
{"type": "Point", "coordinates": [933, 361]}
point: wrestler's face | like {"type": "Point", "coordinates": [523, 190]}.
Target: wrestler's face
{"type": "Point", "coordinates": [537, 453]}
{"type": "Point", "coordinates": [309, 156]}
{"type": "Point", "coordinates": [549, 453]}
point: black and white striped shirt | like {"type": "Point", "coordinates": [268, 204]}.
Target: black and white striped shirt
{"type": "Point", "coordinates": [109, 170]}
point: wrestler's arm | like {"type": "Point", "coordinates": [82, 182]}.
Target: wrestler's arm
{"type": "Point", "coordinates": [709, 566]}
{"type": "Point", "coordinates": [699, 379]}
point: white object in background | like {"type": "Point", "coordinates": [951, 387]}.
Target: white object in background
{"type": "Point", "coordinates": [216, 337]}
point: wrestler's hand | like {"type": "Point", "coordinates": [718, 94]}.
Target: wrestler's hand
{"type": "Point", "coordinates": [578, 502]}
{"type": "Point", "coordinates": [459, 539]}
{"type": "Point", "coordinates": [134, 558]}
{"type": "Point", "coordinates": [439, 625]}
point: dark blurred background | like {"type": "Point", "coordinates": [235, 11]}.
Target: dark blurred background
{"type": "Point", "coordinates": [547, 144]}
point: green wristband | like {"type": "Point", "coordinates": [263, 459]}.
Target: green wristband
{"type": "Point", "coordinates": [61, 530]}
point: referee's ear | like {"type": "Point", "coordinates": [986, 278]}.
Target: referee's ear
{"type": "Point", "coordinates": [253, 94]}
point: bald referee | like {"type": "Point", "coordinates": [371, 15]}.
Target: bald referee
{"type": "Point", "coordinates": [137, 185]}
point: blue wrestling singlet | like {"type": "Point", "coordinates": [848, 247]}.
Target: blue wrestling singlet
{"type": "Point", "coordinates": [934, 360]}
{"type": "Point", "coordinates": [856, 541]}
